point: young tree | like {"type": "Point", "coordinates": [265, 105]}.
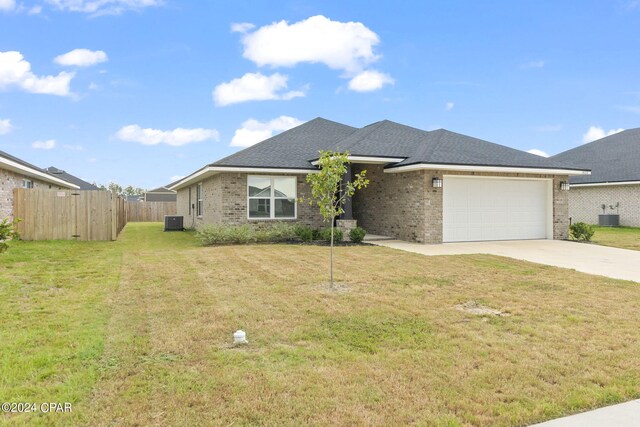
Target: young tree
{"type": "Point", "coordinates": [330, 192]}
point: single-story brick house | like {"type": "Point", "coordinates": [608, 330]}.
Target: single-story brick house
{"type": "Point", "coordinates": [614, 181]}
{"type": "Point", "coordinates": [430, 187]}
{"type": "Point", "coordinates": [16, 173]}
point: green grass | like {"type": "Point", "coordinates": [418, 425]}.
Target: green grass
{"type": "Point", "coordinates": [138, 332]}
{"type": "Point", "coordinates": [619, 237]}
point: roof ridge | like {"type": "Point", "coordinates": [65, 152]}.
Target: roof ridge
{"type": "Point", "coordinates": [251, 148]}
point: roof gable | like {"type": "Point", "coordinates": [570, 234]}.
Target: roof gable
{"type": "Point", "coordinates": [291, 149]}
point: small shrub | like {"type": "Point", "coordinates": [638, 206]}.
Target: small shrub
{"type": "Point", "coordinates": [304, 233]}
{"type": "Point", "coordinates": [242, 234]}
{"type": "Point", "coordinates": [281, 232]}
{"type": "Point", "coordinates": [7, 232]}
{"type": "Point", "coordinates": [325, 234]}
{"type": "Point", "coordinates": [581, 231]}
{"type": "Point", "coordinates": [225, 234]}
{"type": "Point", "coordinates": [317, 234]}
{"type": "Point", "coordinates": [356, 235]}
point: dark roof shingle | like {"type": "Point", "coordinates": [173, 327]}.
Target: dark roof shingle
{"type": "Point", "coordinates": [615, 158]}
{"type": "Point", "coordinates": [84, 185]}
{"type": "Point", "coordinates": [297, 147]}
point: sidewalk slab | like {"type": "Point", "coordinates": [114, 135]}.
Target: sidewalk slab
{"type": "Point", "coordinates": [622, 415]}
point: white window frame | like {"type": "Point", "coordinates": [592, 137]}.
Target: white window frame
{"type": "Point", "coordinates": [199, 198]}
{"type": "Point", "coordinates": [27, 183]}
{"type": "Point", "coordinates": [272, 198]}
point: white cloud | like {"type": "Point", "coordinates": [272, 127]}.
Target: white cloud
{"type": "Point", "coordinates": [532, 64]}
{"type": "Point", "coordinates": [175, 178]}
{"type": "Point", "coordinates": [242, 27]}
{"type": "Point", "coordinates": [35, 10]}
{"type": "Point", "coordinates": [73, 147]}
{"type": "Point", "coordinates": [449, 106]}
{"type": "Point", "coordinates": [339, 45]}
{"type": "Point", "coordinates": [254, 87]}
{"type": "Point", "coordinates": [175, 137]}
{"type": "Point", "coordinates": [7, 5]}
{"type": "Point", "coordinates": [92, 160]}
{"type": "Point", "coordinates": [103, 7]}
{"type": "Point", "coordinates": [81, 58]}
{"type": "Point", "coordinates": [253, 131]}
{"type": "Point", "coordinates": [369, 80]}
{"type": "Point", "coordinates": [44, 145]}
{"type": "Point", "coordinates": [15, 71]}
{"type": "Point", "coordinates": [538, 152]}
{"type": "Point", "coordinates": [596, 132]}
{"type": "Point", "coordinates": [5, 126]}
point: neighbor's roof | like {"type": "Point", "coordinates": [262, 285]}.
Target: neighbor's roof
{"type": "Point", "coordinates": [12, 163]}
{"type": "Point", "coordinates": [161, 190]}
{"type": "Point", "coordinates": [397, 146]}
{"type": "Point", "coordinates": [84, 185]}
{"type": "Point", "coordinates": [615, 158]}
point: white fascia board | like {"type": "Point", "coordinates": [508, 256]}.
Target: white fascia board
{"type": "Point", "coordinates": [497, 169]}
{"type": "Point", "coordinates": [34, 173]}
{"type": "Point", "coordinates": [606, 184]}
{"type": "Point", "coordinates": [212, 170]}
{"type": "Point", "coordinates": [370, 160]}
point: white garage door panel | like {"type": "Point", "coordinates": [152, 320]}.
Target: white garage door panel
{"type": "Point", "coordinates": [494, 209]}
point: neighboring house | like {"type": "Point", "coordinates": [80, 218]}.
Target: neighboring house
{"type": "Point", "coordinates": [84, 185]}
{"type": "Point", "coordinates": [135, 198]}
{"type": "Point", "coordinates": [430, 187]}
{"type": "Point", "coordinates": [161, 194]}
{"type": "Point", "coordinates": [16, 173]}
{"type": "Point", "coordinates": [614, 181]}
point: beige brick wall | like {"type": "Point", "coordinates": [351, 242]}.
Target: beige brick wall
{"type": "Point", "coordinates": [10, 180]}
{"type": "Point", "coordinates": [225, 202]}
{"type": "Point", "coordinates": [400, 205]}
{"type": "Point", "coordinates": [395, 205]}
{"type": "Point", "coordinates": [407, 207]}
{"type": "Point", "coordinates": [585, 203]}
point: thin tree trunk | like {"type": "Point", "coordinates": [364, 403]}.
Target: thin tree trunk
{"type": "Point", "coordinates": [331, 258]}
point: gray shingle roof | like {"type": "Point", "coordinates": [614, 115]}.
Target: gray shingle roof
{"type": "Point", "coordinates": [297, 147]}
{"type": "Point", "coordinates": [615, 158]}
{"type": "Point", "coordinates": [291, 149]}
{"type": "Point", "coordinates": [84, 185]}
{"type": "Point", "coordinates": [160, 190]}
{"type": "Point", "coordinates": [20, 161]}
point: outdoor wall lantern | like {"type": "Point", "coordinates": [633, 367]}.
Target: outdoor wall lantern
{"type": "Point", "coordinates": [564, 185]}
{"type": "Point", "coordinates": [436, 182]}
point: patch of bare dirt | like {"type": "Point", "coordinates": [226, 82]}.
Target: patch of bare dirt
{"type": "Point", "coordinates": [474, 307]}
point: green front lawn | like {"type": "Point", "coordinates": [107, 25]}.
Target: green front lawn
{"type": "Point", "coordinates": [138, 332]}
{"type": "Point", "coordinates": [619, 237]}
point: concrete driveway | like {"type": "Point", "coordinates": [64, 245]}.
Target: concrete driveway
{"type": "Point", "coordinates": [584, 257]}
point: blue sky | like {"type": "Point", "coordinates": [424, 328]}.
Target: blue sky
{"type": "Point", "coordinates": [143, 91]}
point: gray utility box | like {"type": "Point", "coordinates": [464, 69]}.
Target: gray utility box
{"type": "Point", "coordinates": [609, 220]}
{"type": "Point", "coordinates": [173, 223]}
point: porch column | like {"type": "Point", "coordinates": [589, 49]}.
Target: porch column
{"type": "Point", "coordinates": [347, 207]}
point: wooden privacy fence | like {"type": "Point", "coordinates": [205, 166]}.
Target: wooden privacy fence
{"type": "Point", "coordinates": [68, 214]}
{"type": "Point", "coordinates": [149, 211]}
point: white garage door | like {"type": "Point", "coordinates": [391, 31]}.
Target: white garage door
{"type": "Point", "coordinates": [476, 209]}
